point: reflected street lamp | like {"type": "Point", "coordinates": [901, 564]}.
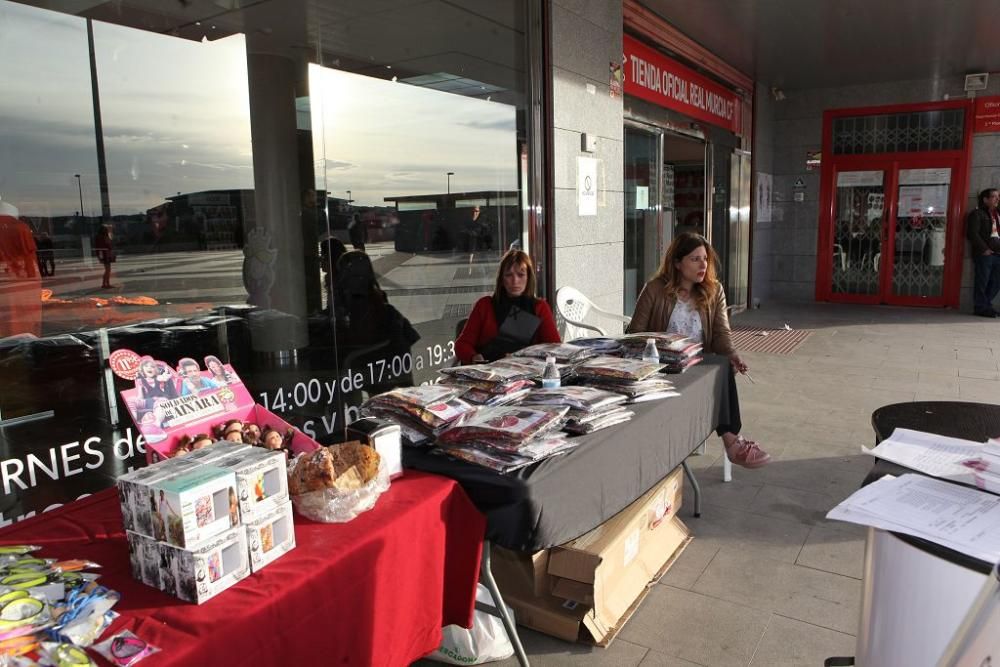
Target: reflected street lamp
{"type": "Point", "coordinates": [450, 174]}
{"type": "Point", "coordinates": [349, 200]}
{"type": "Point", "coordinates": [80, 190]}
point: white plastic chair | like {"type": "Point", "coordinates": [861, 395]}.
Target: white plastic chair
{"type": "Point", "coordinates": [573, 307]}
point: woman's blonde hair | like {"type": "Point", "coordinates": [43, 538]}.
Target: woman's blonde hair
{"type": "Point", "coordinates": [510, 259]}
{"type": "Point", "coordinates": [702, 293]}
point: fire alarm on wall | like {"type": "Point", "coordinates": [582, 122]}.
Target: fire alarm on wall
{"type": "Point", "coordinates": [976, 82]}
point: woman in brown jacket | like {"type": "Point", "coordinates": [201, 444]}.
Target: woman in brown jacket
{"type": "Point", "coordinates": [686, 297]}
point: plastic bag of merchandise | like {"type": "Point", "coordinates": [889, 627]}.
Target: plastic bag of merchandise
{"type": "Point", "coordinates": [335, 484]}
{"type": "Point", "coordinates": [487, 641]}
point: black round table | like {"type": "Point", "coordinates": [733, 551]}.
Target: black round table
{"type": "Point", "coordinates": [954, 419]}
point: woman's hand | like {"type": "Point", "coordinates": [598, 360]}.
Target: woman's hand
{"type": "Point", "coordinates": [738, 364]}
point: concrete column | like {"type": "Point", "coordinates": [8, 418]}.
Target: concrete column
{"type": "Point", "coordinates": [585, 39]}
{"type": "Point", "coordinates": [274, 244]}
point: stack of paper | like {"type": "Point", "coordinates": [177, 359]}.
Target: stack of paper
{"type": "Point", "coordinates": [421, 412]}
{"type": "Point", "coordinates": [677, 352]}
{"type": "Point", "coordinates": [587, 399]}
{"type": "Point", "coordinates": [957, 517]}
{"type": "Point", "coordinates": [948, 458]}
{"type": "Point", "coordinates": [591, 409]}
{"type": "Point", "coordinates": [508, 428]}
{"type": "Point", "coordinates": [615, 369]}
{"type": "Point", "coordinates": [507, 438]}
{"type": "Point", "coordinates": [986, 470]}
{"type": "Point", "coordinates": [489, 384]}
{"type": "Point", "coordinates": [533, 367]}
{"type": "Point", "coordinates": [600, 344]}
{"type": "Point", "coordinates": [565, 353]}
{"type": "Point", "coordinates": [505, 462]}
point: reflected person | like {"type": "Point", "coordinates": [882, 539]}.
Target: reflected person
{"type": "Point", "coordinates": [685, 297]}
{"type": "Point", "coordinates": [511, 318]}
{"type": "Point", "coordinates": [369, 328]}
{"type": "Point", "coordinates": [105, 248]}
{"type": "Point", "coordinates": [357, 231]}
{"type": "Point", "coordinates": [331, 250]}
{"type": "Point", "coordinates": [20, 284]}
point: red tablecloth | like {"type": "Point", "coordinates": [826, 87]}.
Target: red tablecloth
{"type": "Point", "coordinates": [374, 591]}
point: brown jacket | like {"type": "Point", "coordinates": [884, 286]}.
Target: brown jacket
{"type": "Point", "coordinates": [652, 313]}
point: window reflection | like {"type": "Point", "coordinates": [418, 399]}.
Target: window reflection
{"type": "Point", "coordinates": [321, 217]}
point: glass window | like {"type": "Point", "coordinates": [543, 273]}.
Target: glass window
{"type": "Point", "coordinates": [314, 193]}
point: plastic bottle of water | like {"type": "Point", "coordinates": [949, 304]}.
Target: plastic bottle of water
{"type": "Point", "coordinates": [550, 376]}
{"type": "Point", "coordinates": [651, 353]}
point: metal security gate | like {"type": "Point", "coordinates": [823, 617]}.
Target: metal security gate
{"type": "Point", "coordinates": [891, 228]}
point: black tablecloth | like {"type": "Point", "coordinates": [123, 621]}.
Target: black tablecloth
{"type": "Point", "coordinates": [954, 419]}
{"type": "Point", "coordinates": [562, 498]}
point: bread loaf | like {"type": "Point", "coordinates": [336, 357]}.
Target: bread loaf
{"type": "Point", "coordinates": [344, 467]}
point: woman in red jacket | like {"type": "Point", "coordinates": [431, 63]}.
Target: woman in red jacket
{"type": "Point", "coordinates": [511, 319]}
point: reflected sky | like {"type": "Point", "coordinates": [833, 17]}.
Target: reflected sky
{"type": "Point", "coordinates": [176, 119]}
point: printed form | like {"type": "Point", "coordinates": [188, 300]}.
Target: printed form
{"type": "Point", "coordinates": [930, 454]}
{"type": "Point", "coordinates": [958, 517]}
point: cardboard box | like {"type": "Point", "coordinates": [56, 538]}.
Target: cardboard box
{"type": "Point", "coordinates": [261, 480]}
{"type": "Point", "coordinates": [510, 568]}
{"type": "Point", "coordinates": [194, 506]}
{"type": "Point", "coordinates": [190, 400]}
{"type": "Point", "coordinates": [133, 492]}
{"type": "Point", "coordinates": [610, 567]}
{"type": "Point", "coordinates": [587, 589]}
{"type": "Point", "coordinates": [199, 574]}
{"type": "Point", "coordinates": [271, 536]}
{"type": "Point", "coordinates": [575, 621]}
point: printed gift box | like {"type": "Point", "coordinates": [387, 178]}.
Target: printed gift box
{"type": "Point", "coordinates": [196, 575]}
{"type": "Point", "coordinates": [134, 494]}
{"type": "Point", "coordinates": [143, 557]}
{"type": "Point", "coordinates": [271, 536]}
{"type": "Point", "coordinates": [210, 455]}
{"type": "Point", "coordinates": [261, 480]}
{"type": "Point", "coordinates": [167, 404]}
{"type": "Point", "coordinates": [194, 506]}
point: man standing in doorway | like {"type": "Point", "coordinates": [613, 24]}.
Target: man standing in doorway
{"type": "Point", "coordinates": [983, 230]}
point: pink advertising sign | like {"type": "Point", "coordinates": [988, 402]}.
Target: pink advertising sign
{"type": "Point", "coordinates": [168, 403]}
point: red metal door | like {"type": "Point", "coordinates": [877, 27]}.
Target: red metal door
{"type": "Point", "coordinates": [891, 225]}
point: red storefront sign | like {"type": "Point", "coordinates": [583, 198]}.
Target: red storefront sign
{"type": "Point", "coordinates": [987, 115]}
{"type": "Point", "coordinates": [654, 77]}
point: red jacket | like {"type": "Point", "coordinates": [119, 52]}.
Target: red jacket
{"type": "Point", "coordinates": [481, 328]}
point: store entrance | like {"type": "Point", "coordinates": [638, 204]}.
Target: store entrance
{"type": "Point", "coordinates": [665, 194]}
{"type": "Point", "coordinates": [892, 231]}
{"type": "Point", "coordinates": [684, 176]}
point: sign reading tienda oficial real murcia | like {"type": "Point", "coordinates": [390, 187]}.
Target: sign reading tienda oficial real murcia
{"type": "Point", "coordinates": [654, 77]}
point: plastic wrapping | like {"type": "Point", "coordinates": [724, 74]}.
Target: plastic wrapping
{"type": "Point", "coordinates": [333, 506]}
{"type": "Point", "coordinates": [125, 649]}
{"type": "Point", "coordinates": [487, 641]}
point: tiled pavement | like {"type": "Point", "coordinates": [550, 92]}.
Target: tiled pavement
{"type": "Point", "coordinates": [767, 580]}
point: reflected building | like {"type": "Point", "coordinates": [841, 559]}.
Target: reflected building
{"type": "Point", "coordinates": [239, 138]}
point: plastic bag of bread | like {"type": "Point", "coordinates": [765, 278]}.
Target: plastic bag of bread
{"type": "Point", "coordinates": [335, 484]}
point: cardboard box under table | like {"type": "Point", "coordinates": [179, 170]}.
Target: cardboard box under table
{"type": "Point", "coordinates": [598, 580]}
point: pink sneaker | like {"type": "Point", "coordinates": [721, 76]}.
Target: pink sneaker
{"type": "Point", "coordinates": [747, 453]}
